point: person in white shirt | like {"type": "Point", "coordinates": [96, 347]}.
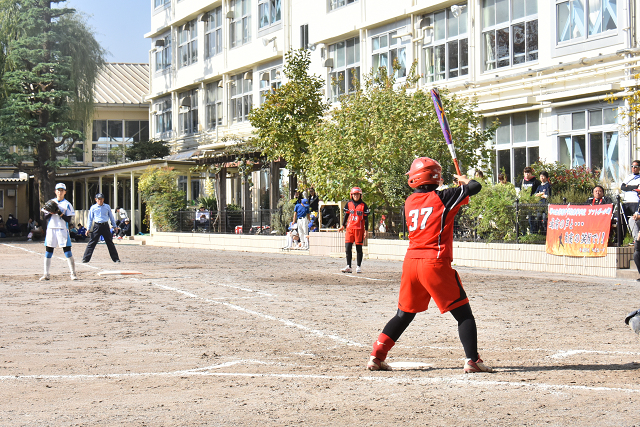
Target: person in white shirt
{"type": "Point", "coordinates": [57, 235]}
{"type": "Point", "coordinates": [631, 186]}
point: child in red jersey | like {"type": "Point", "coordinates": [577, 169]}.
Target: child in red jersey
{"type": "Point", "coordinates": [356, 220]}
{"type": "Point", "coordinates": [427, 272]}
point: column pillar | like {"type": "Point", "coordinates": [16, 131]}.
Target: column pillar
{"type": "Point", "coordinates": [188, 186]}
{"type": "Point", "coordinates": [274, 185]}
{"type": "Point", "coordinates": [221, 193]}
{"type": "Point", "coordinates": [133, 206]}
{"type": "Point", "coordinates": [100, 184]}
{"type": "Point", "coordinates": [73, 188]}
{"type": "Point", "coordinates": [114, 203]}
{"type": "Point", "coordinates": [87, 205]}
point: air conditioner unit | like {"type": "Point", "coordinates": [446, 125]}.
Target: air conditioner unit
{"type": "Point", "coordinates": [11, 193]}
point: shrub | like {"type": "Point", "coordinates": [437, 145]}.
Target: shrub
{"type": "Point", "coordinates": [159, 190]}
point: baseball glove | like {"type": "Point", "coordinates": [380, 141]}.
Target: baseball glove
{"type": "Point", "coordinates": [52, 207]}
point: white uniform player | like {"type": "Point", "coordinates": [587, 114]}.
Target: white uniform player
{"type": "Point", "coordinates": [58, 232]}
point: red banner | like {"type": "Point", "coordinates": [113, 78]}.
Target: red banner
{"type": "Point", "coordinates": [578, 230]}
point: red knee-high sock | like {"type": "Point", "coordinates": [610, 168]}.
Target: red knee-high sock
{"type": "Point", "coordinates": [382, 346]}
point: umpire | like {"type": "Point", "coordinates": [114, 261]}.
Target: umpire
{"type": "Point", "coordinates": [99, 216]}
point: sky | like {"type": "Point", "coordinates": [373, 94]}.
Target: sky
{"type": "Point", "coordinates": [119, 26]}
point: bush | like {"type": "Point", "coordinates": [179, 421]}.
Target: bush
{"type": "Point", "coordinates": [159, 190]}
{"type": "Point", "coordinates": [576, 185]}
{"type": "Point", "coordinates": [493, 212]}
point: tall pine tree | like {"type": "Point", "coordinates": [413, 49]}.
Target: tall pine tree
{"type": "Point", "coordinates": [50, 64]}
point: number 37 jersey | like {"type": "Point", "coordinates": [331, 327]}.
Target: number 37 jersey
{"type": "Point", "coordinates": [430, 217]}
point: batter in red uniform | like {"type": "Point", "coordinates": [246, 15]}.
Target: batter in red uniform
{"type": "Point", "coordinates": [427, 272]}
{"type": "Point", "coordinates": [356, 221]}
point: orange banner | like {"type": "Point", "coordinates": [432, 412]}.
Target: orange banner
{"type": "Point", "coordinates": [578, 230]}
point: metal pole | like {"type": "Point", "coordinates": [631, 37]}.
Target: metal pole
{"type": "Point", "coordinates": [517, 220]}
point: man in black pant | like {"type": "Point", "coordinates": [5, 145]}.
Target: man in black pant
{"type": "Point", "coordinates": [99, 216]}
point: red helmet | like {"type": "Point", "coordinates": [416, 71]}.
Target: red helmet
{"type": "Point", "coordinates": [424, 171]}
{"type": "Point", "coordinates": [355, 190]}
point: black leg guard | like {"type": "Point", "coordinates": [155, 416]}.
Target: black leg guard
{"type": "Point", "coordinates": [348, 247]}
{"type": "Point", "coordinates": [359, 255]}
{"type": "Point", "coordinates": [397, 325]}
{"type": "Point", "coordinates": [467, 330]}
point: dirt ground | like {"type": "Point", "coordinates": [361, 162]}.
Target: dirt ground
{"type": "Point", "coordinates": [211, 338]}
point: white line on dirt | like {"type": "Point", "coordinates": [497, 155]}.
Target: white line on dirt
{"type": "Point", "coordinates": [41, 254]}
{"type": "Point", "coordinates": [556, 353]}
{"type": "Point", "coordinates": [474, 380]}
{"type": "Point", "coordinates": [362, 277]}
{"type": "Point", "coordinates": [244, 289]}
{"type": "Point", "coordinates": [264, 316]}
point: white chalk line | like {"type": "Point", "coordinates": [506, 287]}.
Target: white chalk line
{"type": "Point", "coordinates": [41, 254]}
{"type": "Point", "coordinates": [262, 315]}
{"type": "Point", "coordinates": [473, 380]}
{"type": "Point", "coordinates": [356, 276]}
{"type": "Point", "coordinates": [245, 289]}
{"type": "Point", "coordinates": [556, 353]}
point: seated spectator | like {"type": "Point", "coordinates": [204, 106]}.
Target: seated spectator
{"type": "Point", "coordinates": [73, 231]}
{"type": "Point", "coordinates": [35, 231]}
{"type": "Point", "coordinates": [598, 197]}
{"type": "Point", "coordinates": [313, 223]}
{"type": "Point", "coordinates": [125, 229]}
{"type": "Point", "coordinates": [201, 220]}
{"type": "Point", "coordinates": [82, 233]}
{"type": "Point", "coordinates": [12, 225]}
{"type": "Point", "coordinates": [121, 215]}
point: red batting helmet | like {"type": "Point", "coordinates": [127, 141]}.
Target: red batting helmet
{"type": "Point", "coordinates": [355, 190]}
{"type": "Point", "coordinates": [424, 171]}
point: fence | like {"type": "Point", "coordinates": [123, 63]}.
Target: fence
{"type": "Point", "coordinates": [523, 223]}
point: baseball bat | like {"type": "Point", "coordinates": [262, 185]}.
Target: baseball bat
{"type": "Point", "coordinates": [444, 125]}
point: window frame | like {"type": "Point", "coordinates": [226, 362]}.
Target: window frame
{"type": "Point", "coordinates": [273, 82]}
{"type": "Point", "coordinates": [163, 117]}
{"type": "Point", "coordinates": [214, 106]}
{"type": "Point", "coordinates": [610, 167]}
{"type": "Point", "coordinates": [188, 43]}
{"type": "Point", "coordinates": [585, 15]}
{"type": "Point", "coordinates": [163, 4]}
{"type": "Point", "coordinates": [1, 198]}
{"type": "Point", "coordinates": [240, 21]}
{"type": "Point", "coordinates": [530, 144]}
{"type": "Point", "coordinates": [528, 19]}
{"type": "Point", "coordinates": [334, 75]}
{"type": "Point", "coordinates": [245, 98]}
{"type": "Point", "coordinates": [270, 6]}
{"type": "Point", "coordinates": [213, 33]}
{"type": "Point", "coordinates": [338, 4]}
{"type": "Point", "coordinates": [188, 116]}
{"type": "Point", "coordinates": [461, 38]}
{"type": "Point", "coordinates": [388, 49]}
{"type": "Point", "coordinates": [164, 53]}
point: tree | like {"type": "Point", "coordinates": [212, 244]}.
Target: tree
{"type": "Point", "coordinates": [630, 113]}
{"type": "Point", "coordinates": [51, 65]}
{"type": "Point", "coordinates": [286, 121]}
{"type": "Point", "coordinates": [143, 150]}
{"type": "Point", "coordinates": [159, 190]}
{"type": "Point", "coordinates": [371, 140]}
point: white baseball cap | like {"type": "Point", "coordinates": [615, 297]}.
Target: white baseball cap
{"type": "Point", "coordinates": [61, 185]}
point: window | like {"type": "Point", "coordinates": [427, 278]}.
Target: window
{"type": "Point", "coordinates": [304, 36]}
{"type": "Point", "coordinates": [270, 80]}
{"type": "Point", "coordinates": [241, 98]}
{"type": "Point", "coordinates": [163, 54]}
{"type": "Point", "coordinates": [136, 130]}
{"type": "Point", "coordinates": [214, 104]}
{"type": "Point", "coordinates": [1, 199]}
{"type": "Point", "coordinates": [163, 119]}
{"type": "Point", "coordinates": [346, 67]}
{"type": "Point", "coordinates": [107, 130]}
{"type": "Point", "coordinates": [509, 32]}
{"type": "Point", "coordinates": [335, 4]}
{"type": "Point", "coordinates": [589, 138]}
{"type": "Point", "coordinates": [446, 56]}
{"type": "Point", "coordinates": [213, 33]}
{"type": "Point", "coordinates": [269, 13]}
{"type": "Point", "coordinates": [516, 142]}
{"type": "Point", "coordinates": [581, 19]}
{"type": "Point", "coordinates": [387, 52]}
{"type": "Point", "coordinates": [188, 112]}
{"type": "Point", "coordinates": [240, 27]}
{"type": "Point", "coordinates": [161, 3]}
{"type": "Point", "coordinates": [188, 43]}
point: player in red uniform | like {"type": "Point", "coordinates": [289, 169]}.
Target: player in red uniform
{"type": "Point", "coordinates": [356, 220]}
{"type": "Point", "coordinates": [427, 272]}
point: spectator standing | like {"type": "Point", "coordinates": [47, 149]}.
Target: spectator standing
{"type": "Point", "coordinates": [301, 218]}
{"type": "Point", "coordinates": [631, 186]}
{"type": "Point", "coordinates": [58, 216]}
{"type": "Point", "coordinates": [12, 225]}
{"type": "Point", "coordinates": [356, 221]}
{"type": "Point", "coordinates": [314, 200]}
{"type": "Point", "coordinates": [529, 182]}
{"type": "Point", "coordinates": [479, 174]}
{"type": "Point", "coordinates": [99, 216]}
{"type": "Point", "coordinates": [502, 179]}
{"type": "Point", "coordinates": [543, 191]}
{"type": "Point", "coordinates": [426, 271]}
